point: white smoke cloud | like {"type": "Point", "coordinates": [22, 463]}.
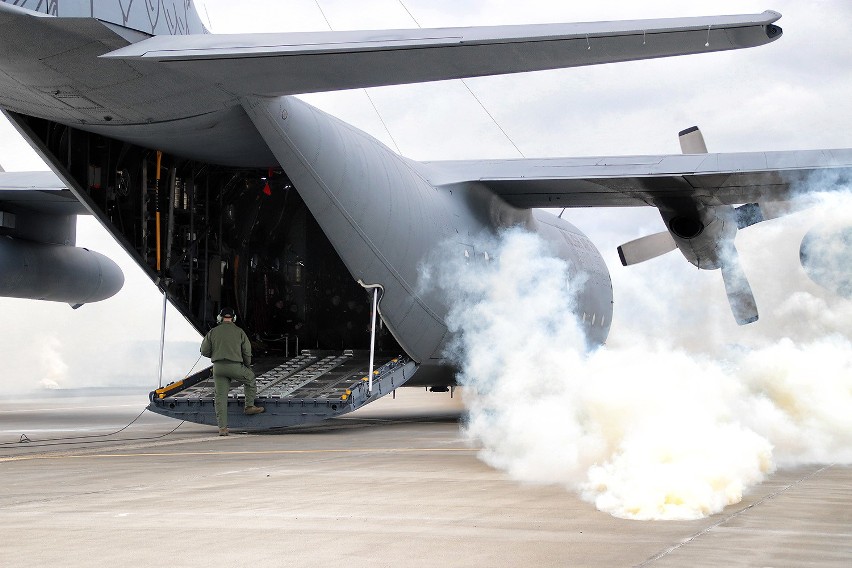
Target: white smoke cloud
{"type": "Point", "coordinates": [659, 424]}
{"type": "Point", "coordinates": [52, 367]}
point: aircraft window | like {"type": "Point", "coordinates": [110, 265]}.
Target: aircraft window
{"type": "Point", "coordinates": [584, 317]}
{"type": "Point", "coordinates": [593, 318]}
{"type": "Point", "coordinates": [602, 320]}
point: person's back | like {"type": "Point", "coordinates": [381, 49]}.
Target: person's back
{"type": "Point", "coordinates": [230, 350]}
{"type": "Point", "coordinates": [227, 342]}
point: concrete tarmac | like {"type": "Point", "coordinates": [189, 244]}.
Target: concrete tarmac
{"type": "Point", "coordinates": [391, 485]}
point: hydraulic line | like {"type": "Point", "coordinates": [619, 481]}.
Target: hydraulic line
{"type": "Point", "coordinates": [373, 338]}
{"type": "Point", "coordinates": [162, 338]}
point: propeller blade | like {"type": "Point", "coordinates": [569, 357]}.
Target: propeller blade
{"type": "Point", "coordinates": [692, 141]}
{"type": "Point", "coordinates": [739, 291]}
{"type": "Point", "coordinates": [775, 209]}
{"type": "Point", "coordinates": [750, 214]}
{"type": "Point", "coordinates": [646, 248]}
{"type": "Point", "coordinates": [753, 213]}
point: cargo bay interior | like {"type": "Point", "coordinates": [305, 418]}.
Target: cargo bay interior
{"type": "Point", "coordinates": [228, 236]}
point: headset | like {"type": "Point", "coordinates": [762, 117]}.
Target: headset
{"type": "Point", "coordinates": [226, 312]}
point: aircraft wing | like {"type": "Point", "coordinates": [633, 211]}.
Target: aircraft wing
{"type": "Point", "coordinates": [625, 181]}
{"type": "Point", "coordinates": [41, 192]}
{"type": "Point", "coordinates": [293, 63]}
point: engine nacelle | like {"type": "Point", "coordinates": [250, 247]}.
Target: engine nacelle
{"type": "Point", "coordinates": [704, 235]}
{"type": "Point", "coordinates": [56, 273]}
{"type": "Point", "coordinates": [825, 254]}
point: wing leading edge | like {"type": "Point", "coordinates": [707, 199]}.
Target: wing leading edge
{"type": "Point", "coordinates": [293, 63]}
{"type": "Point", "coordinates": [626, 181]}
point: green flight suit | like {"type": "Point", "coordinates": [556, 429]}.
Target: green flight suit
{"type": "Point", "coordinates": [230, 350]}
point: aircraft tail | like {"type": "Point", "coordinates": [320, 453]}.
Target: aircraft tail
{"type": "Point", "coordinates": [155, 17]}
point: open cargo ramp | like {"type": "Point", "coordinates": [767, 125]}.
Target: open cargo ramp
{"type": "Point", "coordinates": [308, 388]}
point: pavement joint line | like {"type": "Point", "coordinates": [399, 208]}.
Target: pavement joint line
{"type": "Point", "coordinates": [733, 515]}
{"type": "Point", "coordinates": [241, 452]}
{"type": "Point", "coordinates": [66, 408]}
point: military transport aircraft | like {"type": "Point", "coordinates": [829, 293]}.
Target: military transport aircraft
{"type": "Point", "coordinates": [191, 150]}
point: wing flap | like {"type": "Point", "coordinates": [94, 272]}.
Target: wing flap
{"type": "Point", "coordinates": [293, 63]}
{"type": "Point", "coordinates": [713, 179]}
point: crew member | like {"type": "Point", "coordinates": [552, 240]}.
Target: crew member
{"type": "Point", "coordinates": [228, 347]}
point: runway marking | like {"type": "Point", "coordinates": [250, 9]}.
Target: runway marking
{"type": "Point", "coordinates": [686, 541]}
{"type": "Point", "coordinates": [245, 452]}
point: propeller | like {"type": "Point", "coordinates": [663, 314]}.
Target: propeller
{"type": "Point", "coordinates": [752, 213]}
{"type": "Point", "coordinates": [658, 244]}
{"type": "Point", "coordinates": [740, 296]}
{"type": "Point", "coordinates": [646, 248]}
{"type": "Point", "coordinates": [737, 287]}
{"type": "Point", "coordinates": [692, 141]}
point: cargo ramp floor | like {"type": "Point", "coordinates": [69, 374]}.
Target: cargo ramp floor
{"type": "Point", "coordinates": [308, 388]}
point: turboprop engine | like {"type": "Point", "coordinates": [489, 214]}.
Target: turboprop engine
{"type": "Point", "coordinates": [705, 234]}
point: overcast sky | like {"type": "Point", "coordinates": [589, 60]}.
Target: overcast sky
{"type": "Point", "coordinates": [792, 94]}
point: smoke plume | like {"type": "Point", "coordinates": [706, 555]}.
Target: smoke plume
{"type": "Point", "coordinates": [52, 365]}
{"type": "Point", "coordinates": [660, 423]}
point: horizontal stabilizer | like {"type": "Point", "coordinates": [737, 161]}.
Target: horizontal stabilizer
{"type": "Point", "coordinates": [41, 192]}
{"type": "Point", "coordinates": [293, 63]}
{"type": "Point", "coordinates": [45, 181]}
{"type": "Point", "coordinates": [646, 248]}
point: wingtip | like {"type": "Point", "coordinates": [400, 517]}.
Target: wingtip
{"type": "Point", "coordinates": [773, 32]}
{"type": "Point", "coordinates": [772, 15]}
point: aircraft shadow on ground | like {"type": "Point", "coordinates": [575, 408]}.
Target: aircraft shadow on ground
{"type": "Point", "coordinates": [388, 422]}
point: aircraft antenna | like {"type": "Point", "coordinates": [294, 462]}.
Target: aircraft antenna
{"type": "Point", "coordinates": [469, 90]}
{"type": "Point", "coordinates": [209, 21]}
{"type": "Point", "coordinates": [324, 17]}
{"type": "Point", "coordinates": [369, 98]}
{"type": "Point", "coordinates": [382, 120]}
